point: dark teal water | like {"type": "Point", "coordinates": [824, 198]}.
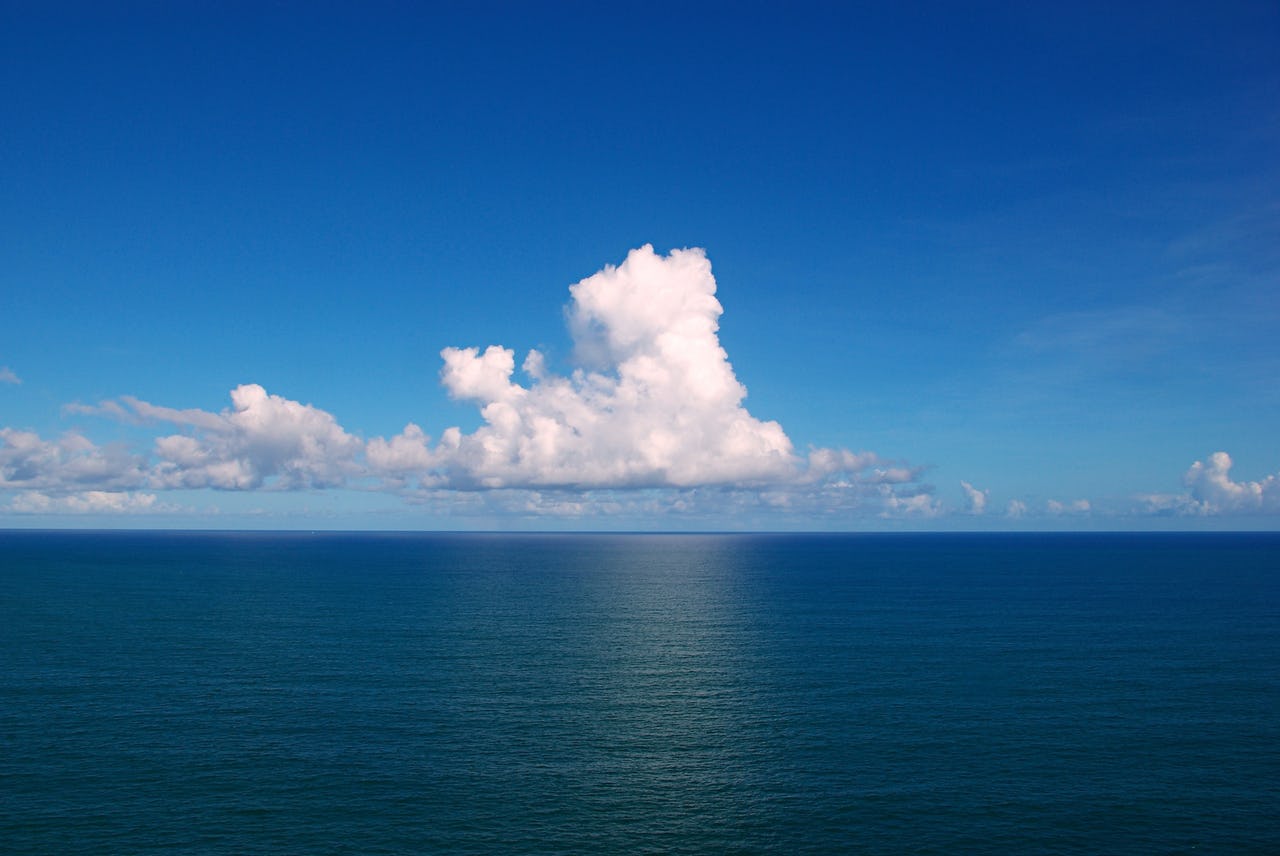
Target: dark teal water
{"type": "Point", "coordinates": [291, 693]}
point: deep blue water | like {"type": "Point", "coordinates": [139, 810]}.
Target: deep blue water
{"type": "Point", "coordinates": [297, 693]}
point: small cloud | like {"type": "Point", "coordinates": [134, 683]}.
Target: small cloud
{"type": "Point", "coordinates": [1015, 509]}
{"type": "Point", "coordinates": [1168, 505]}
{"type": "Point", "coordinates": [975, 500]}
{"type": "Point", "coordinates": [7, 376]}
{"type": "Point", "coordinates": [1074, 507]}
{"type": "Point", "coordinates": [913, 505]}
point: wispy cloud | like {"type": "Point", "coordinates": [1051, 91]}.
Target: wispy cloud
{"type": "Point", "coordinates": [7, 376]}
{"type": "Point", "coordinates": [1111, 337]}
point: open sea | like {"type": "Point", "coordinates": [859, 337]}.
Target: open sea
{"type": "Point", "coordinates": [257, 693]}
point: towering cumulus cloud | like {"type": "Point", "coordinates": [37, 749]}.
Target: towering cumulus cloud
{"type": "Point", "coordinates": [656, 402]}
{"type": "Point", "coordinates": [1213, 491]}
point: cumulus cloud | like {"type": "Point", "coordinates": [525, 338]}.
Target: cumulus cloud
{"type": "Point", "coordinates": [261, 440]}
{"type": "Point", "coordinates": [7, 375]}
{"type": "Point", "coordinates": [656, 401]}
{"type": "Point", "coordinates": [1215, 492]}
{"type": "Point", "coordinates": [69, 463]}
{"type": "Point", "coordinates": [1212, 491]}
{"type": "Point", "coordinates": [403, 456]}
{"type": "Point", "coordinates": [651, 404]}
{"type": "Point", "coordinates": [1015, 509]}
{"type": "Point", "coordinates": [975, 500]}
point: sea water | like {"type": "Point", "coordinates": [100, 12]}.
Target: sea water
{"type": "Point", "coordinates": [412, 693]}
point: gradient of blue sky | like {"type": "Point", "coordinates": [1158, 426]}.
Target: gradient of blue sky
{"type": "Point", "coordinates": [1030, 247]}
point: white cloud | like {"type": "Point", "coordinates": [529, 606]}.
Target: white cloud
{"type": "Point", "coordinates": [86, 502]}
{"type": "Point", "coordinates": [1016, 508]}
{"type": "Point", "coordinates": [7, 375]}
{"type": "Point", "coordinates": [655, 403]}
{"type": "Point", "coordinates": [912, 505]}
{"type": "Point", "coordinates": [1212, 488]}
{"type": "Point", "coordinates": [68, 463]}
{"type": "Point", "coordinates": [262, 440]}
{"type": "Point", "coordinates": [1168, 504]}
{"type": "Point", "coordinates": [1077, 506]}
{"type": "Point", "coordinates": [975, 500]}
{"type": "Point", "coordinates": [1211, 491]}
{"type": "Point", "coordinates": [404, 455]}
{"type": "Point", "coordinates": [651, 420]}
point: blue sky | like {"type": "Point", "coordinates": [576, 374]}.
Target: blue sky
{"type": "Point", "coordinates": [992, 266]}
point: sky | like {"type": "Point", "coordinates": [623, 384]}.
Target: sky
{"type": "Point", "coordinates": [659, 266]}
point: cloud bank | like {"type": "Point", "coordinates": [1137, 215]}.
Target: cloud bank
{"type": "Point", "coordinates": [652, 404]}
{"type": "Point", "coordinates": [649, 420]}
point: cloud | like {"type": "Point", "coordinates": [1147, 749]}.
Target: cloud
{"type": "Point", "coordinates": [87, 502]}
{"type": "Point", "coordinates": [7, 375]}
{"type": "Point", "coordinates": [262, 440]}
{"type": "Point", "coordinates": [403, 456]}
{"type": "Point", "coordinates": [71, 462]}
{"type": "Point", "coordinates": [975, 500]}
{"type": "Point", "coordinates": [655, 402]}
{"type": "Point", "coordinates": [910, 505]}
{"type": "Point", "coordinates": [1211, 491]}
{"type": "Point", "coordinates": [650, 418]}
{"type": "Point", "coordinates": [1212, 488]}
{"type": "Point", "coordinates": [1058, 509]}
{"type": "Point", "coordinates": [1015, 509]}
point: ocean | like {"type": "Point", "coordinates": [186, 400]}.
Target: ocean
{"type": "Point", "coordinates": [519, 694]}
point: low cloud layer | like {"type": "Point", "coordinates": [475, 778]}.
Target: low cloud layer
{"type": "Point", "coordinates": [652, 404]}
{"type": "Point", "coordinates": [649, 420]}
{"type": "Point", "coordinates": [86, 502]}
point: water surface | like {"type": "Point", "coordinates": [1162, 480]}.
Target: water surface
{"type": "Point", "coordinates": [288, 693]}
